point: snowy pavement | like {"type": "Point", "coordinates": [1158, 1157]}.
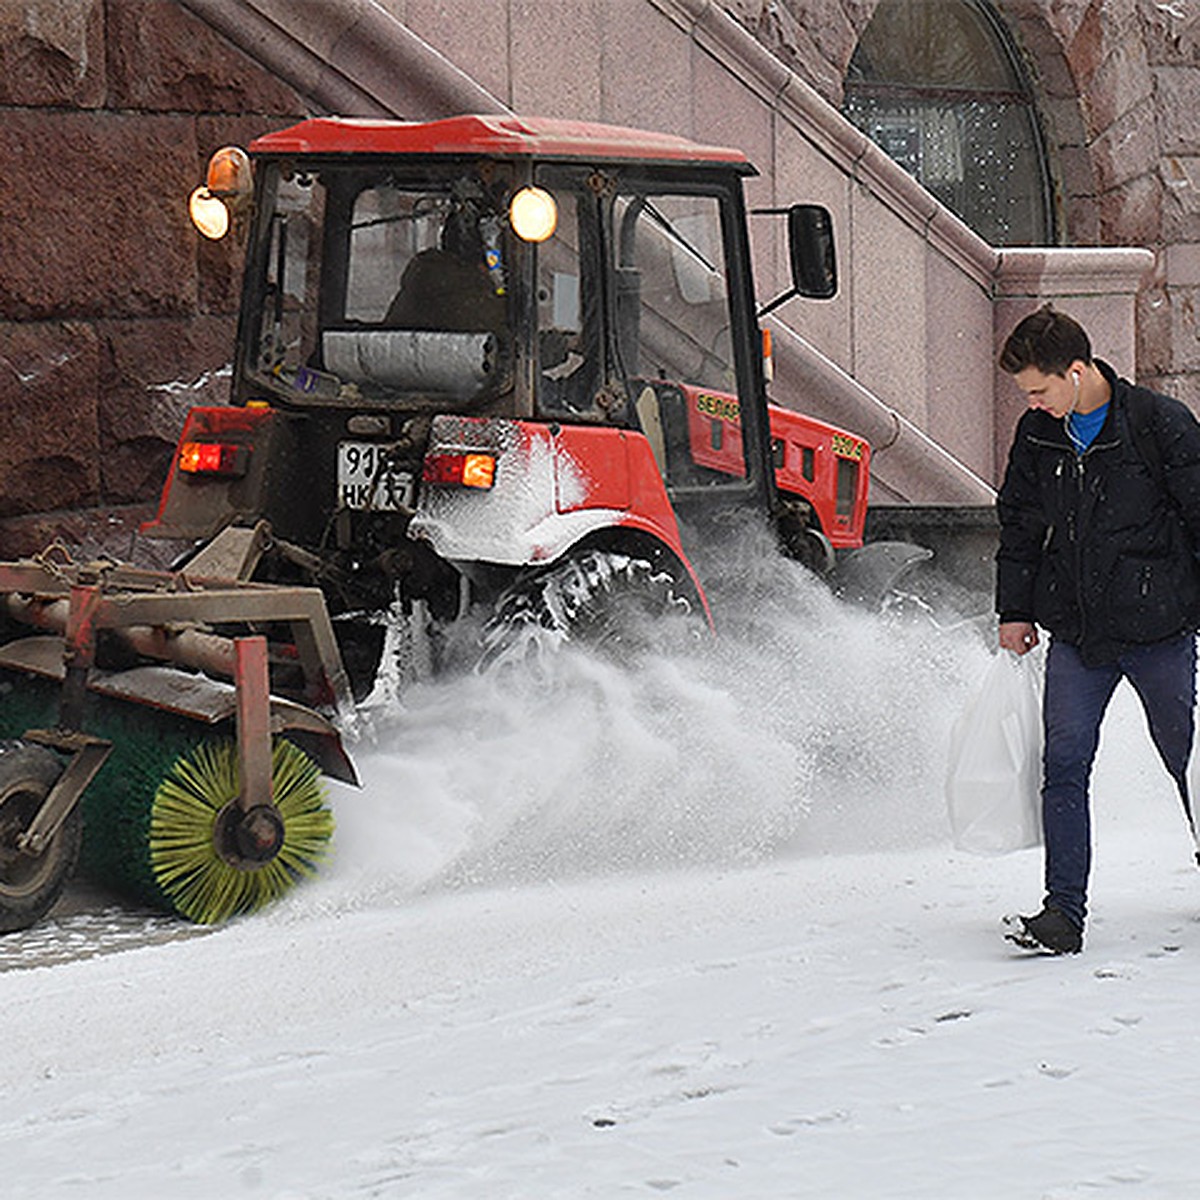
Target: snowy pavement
{"type": "Point", "coordinates": [840, 1026]}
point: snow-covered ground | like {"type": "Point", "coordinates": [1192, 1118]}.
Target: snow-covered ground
{"type": "Point", "coordinates": [692, 929]}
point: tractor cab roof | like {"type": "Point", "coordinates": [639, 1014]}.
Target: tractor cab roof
{"type": "Point", "coordinates": [496, 137]}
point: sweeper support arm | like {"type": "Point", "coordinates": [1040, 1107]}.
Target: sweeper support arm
{"type": "Point", "coordinates": [167, 617]}
{"type": "Point", "coordinates": [87, 755]}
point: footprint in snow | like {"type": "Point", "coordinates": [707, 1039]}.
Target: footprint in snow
{"type": "Point", "coordinates": [1055, 1071]}
{"type": "Point", "coordinates": [794, 1125]}
{"type": "Point", "coordinates": [909, 1032]}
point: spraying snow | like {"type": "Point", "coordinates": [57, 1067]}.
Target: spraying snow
{"type": "Point", "coordinates": [804, 726]}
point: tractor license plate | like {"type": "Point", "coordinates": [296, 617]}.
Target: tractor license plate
{"type": "Point", "coordinates": [366, 479]}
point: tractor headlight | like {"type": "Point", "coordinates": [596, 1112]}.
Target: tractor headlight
{"type": "Point", "coordinates": [208, 213]}
{"type": "Point", "coordinates": [533, 214]}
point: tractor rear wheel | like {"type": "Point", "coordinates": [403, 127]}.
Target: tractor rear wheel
{"type": "Point", "coordinates": [611, 603]}
{"type": "Point", "coordinates": [30, 884]}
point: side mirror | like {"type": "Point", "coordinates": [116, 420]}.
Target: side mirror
{"type": "Point", "coordinates": [811, 251]}
{"type": "Point", "coordinates": [810, 244]}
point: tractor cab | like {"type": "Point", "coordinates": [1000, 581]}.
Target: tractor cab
{"type": "Point", "coordinates": [471, 347]}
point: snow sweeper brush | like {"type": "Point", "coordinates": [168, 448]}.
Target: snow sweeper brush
{"type": "Point", "coordinates": [204, 798]}
{"type": "Point", "coordinates": [157, 818]}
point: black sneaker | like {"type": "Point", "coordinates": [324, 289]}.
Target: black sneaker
{"type": "Point", "coordinates": [1050, 932]}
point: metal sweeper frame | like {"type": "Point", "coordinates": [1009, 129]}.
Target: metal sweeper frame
{"type": "Point", "coordinates": [98, 615]}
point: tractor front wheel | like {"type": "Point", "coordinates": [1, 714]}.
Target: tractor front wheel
{"type": "Point", "coordinates": [30, 884]}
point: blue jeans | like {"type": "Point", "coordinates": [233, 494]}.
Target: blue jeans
{"type": "Point", "coordinates": [1164, 676]}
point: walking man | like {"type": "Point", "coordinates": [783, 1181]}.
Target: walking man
{"type": "Point", "coordinates": [1099, 520]}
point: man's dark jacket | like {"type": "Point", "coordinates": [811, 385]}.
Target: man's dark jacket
{"type": "Point", "coordinates": [1098, 547]}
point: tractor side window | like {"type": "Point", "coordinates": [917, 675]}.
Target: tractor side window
{"type": "Point", "coordinates": [568, 317]}
{"type": "Point", "coordinates": [674, 335]}
{"type": "Point", "coordinates": [293, 276]}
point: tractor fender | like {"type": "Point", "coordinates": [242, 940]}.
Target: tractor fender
{"type": "Point", "coordinates": [553, 487]}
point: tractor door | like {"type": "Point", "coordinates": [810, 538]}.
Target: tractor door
{"type": "Point", "coordinates": [684, 346]}
{"type": "Point", "coordinates": [645, 320]}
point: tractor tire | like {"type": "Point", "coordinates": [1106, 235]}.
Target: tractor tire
{"type": "Point", "coordinates": [610, 603]}
{"type": "Point", "coordinates": [31, 885]}
{"type": "Point", "coordinates": [813, 550]}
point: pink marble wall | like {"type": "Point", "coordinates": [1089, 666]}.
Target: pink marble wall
{"type": "Point", "coordinates": [915, 323]}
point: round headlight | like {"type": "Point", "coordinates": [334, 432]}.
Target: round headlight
{"type": "Point", "coordinates": [533, 214]}
{"type": "Point", "coordinates": [209, 214]}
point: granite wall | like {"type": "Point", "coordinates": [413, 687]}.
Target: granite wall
{"type": "Point", "coordinates": [113, 318]}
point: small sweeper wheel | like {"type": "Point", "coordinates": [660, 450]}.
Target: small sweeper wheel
{"type": "Point", "coordinates": [30, 884]}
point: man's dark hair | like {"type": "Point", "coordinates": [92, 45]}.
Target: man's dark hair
{"type": "Point", "coordinates": [1048, 340]}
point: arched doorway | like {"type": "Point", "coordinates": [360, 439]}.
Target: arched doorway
{"type": "Point", "coordinates": [941, 87]}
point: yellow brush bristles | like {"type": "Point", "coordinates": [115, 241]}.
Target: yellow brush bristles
{"type": "Point", "coordinates": [199, 883]}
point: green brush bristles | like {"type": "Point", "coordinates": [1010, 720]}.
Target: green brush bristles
{"type": "Point", "coordinates": [192, 875]}
{"type": "Point", "coordinates": [149, 815]}
{"type": "Point", "coordinates": [26, 703]}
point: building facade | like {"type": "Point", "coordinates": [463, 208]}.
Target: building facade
{"type": "Point", "coordinates": [1112, 92]}
{"type": "Point", "coordinates": [1056, 122]}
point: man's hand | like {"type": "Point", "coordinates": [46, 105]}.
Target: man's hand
{"type": "Point", "coordinates": [1018, 636]}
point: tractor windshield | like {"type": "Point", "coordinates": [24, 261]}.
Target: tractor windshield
{"type": "Point", "coordinates": [367, 287]}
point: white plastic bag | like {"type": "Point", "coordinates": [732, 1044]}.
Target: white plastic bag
{"type": "Point", "coordinates": [993, 781]}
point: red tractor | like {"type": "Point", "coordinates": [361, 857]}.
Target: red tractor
{"type": "Point", "coordinates": [482, 354]}
{"type": "Point", "coordinates": [491, 374]}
